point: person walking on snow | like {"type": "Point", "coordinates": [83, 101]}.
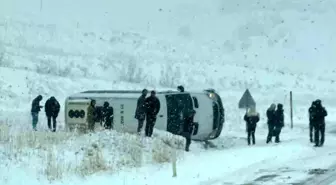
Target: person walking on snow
{"type": "Point", "coordinates": [279, 122]}
{"type": "Point", "coordinates": [270, 122]}
{"type": "Point", "coordinates": [107, 113]}
{"type": "Point", "coordinates": [319, 122]}
{"type": "Point", "coordinates": [152, 104]}
{"type": "Point", "coordinates": [36, 108]}
{"type": "Point", "coordinates": [251, 118]}
{"type": "Point", "coordinates": [52, 108]}
{"type": "Point", "coordinates": [188, 127]}
{"type": "Point", "coordinates": [311, 125]}
{"type": "Point", "coordinates": [180, 88]}
{"type": "Point", "coordinates": [140, 112]}
{"type": "Point", "coordinates": [91, 115]}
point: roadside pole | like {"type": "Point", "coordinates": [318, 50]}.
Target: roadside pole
{"type": "Point", "coordinates": [291, 108]}
{"type": "Point", "coordinates": [174, 162]}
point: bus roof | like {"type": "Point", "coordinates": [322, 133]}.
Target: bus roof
{"type": "Point", "coordinates": [140, 91]}
{"type": "Point", "coordinates": [124, 92]}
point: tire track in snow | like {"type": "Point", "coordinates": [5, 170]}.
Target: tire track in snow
{"type": "Point", "coordinates": [326, 178]}
{"type": "Point", "coordinates": [263, 171]}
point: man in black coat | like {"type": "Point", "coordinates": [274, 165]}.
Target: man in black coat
{"type": "Point", "coordinates": [319, 122]}
{"type": "Point", "coordinates": [52, 108]}
{"type": "Point", "coordinates": [251, 118]}
{"type": "Point", "coordinates": [311, 125]}
{"type": "Point", "coordinates": [270, 122]}
{"type": "Point", "coordinates": [35, 109]}
{"type": "Point", "coordinates": [188, 126]}
{"type": "Point", "coordinates": [152, 104]}
{"type": "Point", "coordinates": [140, 112]}
{"type": "Point", "coordinates": [279, 121]}
{"type": "Point", "coordinates": [107, 114]}
{"type": "Point", "coordinates": [180, 88]}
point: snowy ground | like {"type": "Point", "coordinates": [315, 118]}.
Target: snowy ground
{"type": "Point", "coordinates": [127, 159]}
{"type": "Point", "coordinates": [61, 47]}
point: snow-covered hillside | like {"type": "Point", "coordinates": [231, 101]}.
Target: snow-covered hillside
{"type": "Point", "coordinates": [271, 47]}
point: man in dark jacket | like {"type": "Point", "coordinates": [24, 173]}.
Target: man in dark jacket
{"type": "Point", "coordinates": [140, 112]}
{"type": "Point", "coordinates": [180, 88]}
{"type": "Point", "coordinates": [279, 121]}
{"type": "Point", "coordinates": [91, 115]}
{"type": "Point", "coordinates": [251, 118]}
{"type": "Point", "coordinates": [36, 108]}
{"type": "Point", "coordinates": [52, 108]}
{"type": "Point", "coordinates": [188, 126]}
{"type": "Point", "coordinates": [319, 122]}
{"type": "Point", "coordinates": [311, 125]}
{"type": "Point", "coordinates": [152, 104]}
{"type": "Point", "coordinates": [270, 122]}
{"type": "Point", "coordinates": [107, 114]}
{"type": "Point", "coordinates": [98, 112]}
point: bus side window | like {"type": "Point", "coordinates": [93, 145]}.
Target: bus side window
{"type": "Point", "coordinates": [195, 102]}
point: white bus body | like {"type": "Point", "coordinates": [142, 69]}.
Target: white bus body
{"type": "Point", "coordinates": [207, 104]}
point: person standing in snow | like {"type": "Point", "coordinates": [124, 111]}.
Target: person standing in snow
{"type": "Point", "coordinates": [188, 126]}
{"type": "Point", "coordinates": [180, 88]}
{"type": "Point", "coordinates": [279, 123]}
{"type": "Point", "coordinates": [251, 118]}
{"type": "Point", "coordinates": [311, 112]}
{"type": "Point", "coordinates": [319, 122]}
{"type": "Point", "coordinates": [91, 115]}
{"type": "Point", "coordinates": [140, 112]}
{"type": "Point", "coordinates": [152, 104]}
{"type": "Point", "coordinates": [36, 108]}
{"type": "Point", "coordinates": [107, 114]}
{"type": "Point", "coordinates": [52, 108]}
{"type": "Point", "coordinates": [270, 113]}
{"type": "Point", "coordinates": [99, 115]}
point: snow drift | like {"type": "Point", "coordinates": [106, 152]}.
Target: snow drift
{"type": "Point", "coordinates": [62, 155]}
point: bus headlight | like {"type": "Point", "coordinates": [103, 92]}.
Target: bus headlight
{"type": "Point", "coordinates": [212, 95]}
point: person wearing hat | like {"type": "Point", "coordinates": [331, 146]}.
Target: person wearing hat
{"type": "Point", "coordinates": [140, 111]}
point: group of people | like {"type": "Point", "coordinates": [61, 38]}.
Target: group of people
{"type": "Point", "coordinates": [104, 115]}
{"type": "Point", "coordinates": [275, 122]}
{"type": "Point", "coordinates": [148, 108]}
{"type": "Point", "coordinates": [51, 107]}
{"type": "Point", "coordinates": [317, 114]}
